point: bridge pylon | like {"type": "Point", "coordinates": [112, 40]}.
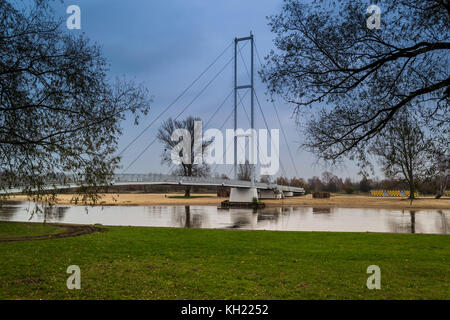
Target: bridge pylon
{"type": "Point", "coordinates": [252, 97]}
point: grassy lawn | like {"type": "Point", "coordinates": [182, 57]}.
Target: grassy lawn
{"type": "Point", "coordinates": [165, 263]}
{"type": "Point", "coordinates": [16, 229]}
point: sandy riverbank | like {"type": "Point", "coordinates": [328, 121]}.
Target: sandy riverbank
{"type": "Point", "coordinates": [349, 201]}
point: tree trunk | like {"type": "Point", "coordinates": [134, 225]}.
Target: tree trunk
{"type": "Point", "coordinates": [413, 221]}
{"type": "Point", "coordinates": [442, 187]}
{"type": "Point", "coordinates": [411, 183]}
{"type": "Point", "coordinates": [411, 190]}
{"type": "Point", "coordinates": [187, 191]}
{"type": "Point", "coordinates": [187, 211]}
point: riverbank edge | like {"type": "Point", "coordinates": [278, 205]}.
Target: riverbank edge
{"type": "Point", "coordinates": [339, 201]}
{"type": "Point", "coordinates": [67, 230]}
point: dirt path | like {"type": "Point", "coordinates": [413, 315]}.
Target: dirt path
{"type": "Point", "coordinates": [69, 230]}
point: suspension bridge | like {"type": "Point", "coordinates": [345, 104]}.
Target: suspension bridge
{"type": "Point", "coordinates": [241, 191]}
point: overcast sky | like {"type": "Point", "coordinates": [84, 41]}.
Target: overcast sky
{"type": "Point", "coordinates": [167, 44]}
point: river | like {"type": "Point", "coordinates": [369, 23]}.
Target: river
{"type": "Point", "coordinates": [281, 219]}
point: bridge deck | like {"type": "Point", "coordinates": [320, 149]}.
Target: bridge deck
{"type": "Point", "coordinates": [164, 179]}
{"type": "Point", "coordinates": [122, 179]}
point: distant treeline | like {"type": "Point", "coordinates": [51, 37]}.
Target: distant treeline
{"type": "Point", "coordinates": [329, 182]}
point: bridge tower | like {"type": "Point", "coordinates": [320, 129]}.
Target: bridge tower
{"type": "Point", "coordinates": [244, 194]}
{"type": "Point", "coordinates": [252, 96]}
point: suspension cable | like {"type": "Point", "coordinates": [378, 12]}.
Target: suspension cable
{"type": "Point", "coordinates": [218, 109]}
{"type": "Point", "coordinates": [177, 98]}
{"type": "Point", "coordinates": [243, 107]}
{"type": "Point", "coordinates": [232, 111]}
{"type": "Point", "coordinates": [183, 110]}
{"type": "Point", "coordinates": [279, 121]}
{"type": "Point", "coordinates": [210, 119]}
{"type": "Point", "coordinates": [179, 114]}
{"type": "Point", "coordinates": [264, 117]}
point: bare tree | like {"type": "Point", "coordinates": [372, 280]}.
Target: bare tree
{"type": "Point", "coordinates": [348, 186]}
{"type": "Point", "coordinates": [265, 179]}
{"type": "Point", "coordinates": [187, 167]}
{"type": "Point", "coordinates": [443, 173]}
{"type": "Point", "coordinates": [315, 184]}
{"type": "Point", "coordinates": [59, 114]}
{"type": "Point", "coordinates": [283, 181]}
{"type": "Point", "coordinates": [364, 184]}
{"type": "Point", "coordinates": [326, 54]}
{"type": "Point", "coordinates": [297, 182]}
{"type": "Point", "coordinates": [331, 183]}
{"type": "Point", "coordinates": [405, 151]}
{"type": "Point", "coordinates": [245, 171]}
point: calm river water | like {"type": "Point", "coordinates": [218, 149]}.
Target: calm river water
{"type": "Point", "coordinates": [282, 219]}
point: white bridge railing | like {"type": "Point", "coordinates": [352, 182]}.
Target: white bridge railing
{"type": "Point", "coordinates": [121, 179]}
{"type": "Point", "coordinates": [155, 179]}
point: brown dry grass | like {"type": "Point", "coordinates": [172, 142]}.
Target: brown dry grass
{"type": "Point", "coordinates": [349, 201]}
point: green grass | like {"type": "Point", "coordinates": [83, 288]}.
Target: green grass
{"type": "Point", "coordinates": [17, 229]}
{"type": "Point", "coordinates": [165, 263]}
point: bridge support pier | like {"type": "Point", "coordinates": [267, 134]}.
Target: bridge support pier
{"type": "Point", "coordinates": [243, 195]}
{"type": "Point", "coordinates": [267, 194]}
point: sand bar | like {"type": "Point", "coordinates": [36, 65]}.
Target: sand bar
{"type": "Point", "coordinates": [346, 201]}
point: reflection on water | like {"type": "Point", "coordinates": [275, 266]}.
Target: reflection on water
{"type": "Point", "coordinates": [182, 217]}
{"type": "Point", "coordinates": [444, 224]}
{"type": "Point", "coordinates": [283, 219]}
{"type": "Point", "coordinates": [406, 224]}
{"type": "Point", "coordinates": [321, 210]}
{"type": "Point", "coordinates": [8, 212]}
{"type": "Point", "coordinates": [240, 219]}
{"type": "Point", "coordinates": [53, 213]}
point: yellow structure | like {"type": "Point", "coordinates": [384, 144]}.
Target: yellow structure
{"type": "Point", "coordinates": [392, 193]}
